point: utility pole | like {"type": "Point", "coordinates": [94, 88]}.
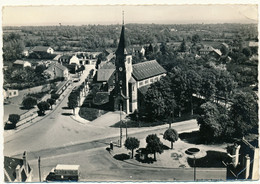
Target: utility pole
{"type": "Point", "coordinates": [126, 129]}
{"type": "Point", "coordinates": [120, 127]}
{"type": "Point", "coordinates": [194, 165]}
{"type": "Point", "coordinates": [39, 165]}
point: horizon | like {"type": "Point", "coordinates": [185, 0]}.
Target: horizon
{"type": "Point", "coordinates": [118, 24]}
{"type": "Point", "coordinates": [134, 14]}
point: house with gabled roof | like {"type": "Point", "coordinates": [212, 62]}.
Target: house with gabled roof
{"type": "Point", "coordinates": [56, 70]}
{"type": "Point", "coordinates": [43, 49]}
{"type": "Point", "coordinates": [17, 170]}
{"type": "Point", "coordinates": [22, 64]}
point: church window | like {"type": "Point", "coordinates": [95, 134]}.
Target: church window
{"type": "Point", "coordinates": [140, 83]}
{"type": "Point", "coordinates": [156, 79]}
{"type": "Point", "coordinates": [151, 80]}
{"type": "Point", "coordinates": [133, 88]}
{"type": "Point", "coordinates": [146, 81]}
{"type": "Point", "coordinates": [128, 60]}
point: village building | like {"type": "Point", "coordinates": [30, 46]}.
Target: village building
{"type": "Point", "coordinates": [56, 70]}
{"type": "Point", "coordinates": [205, 50]}
{"type": "Point", "coordinates": [127, 80]}
{"type": "Point", "coordinates": [138, 50]}
{"type": "Point", "coordinates": [215, 54]}
{"type": "Point", "coordinates": [17, 170]}
{"type": "Point", "coordinates": [22, 64]}
{"type": "Point", "coordinates": [243, 160]}
{"type": "Point", "coordinates": [26, 51]}
{"type": "Point", "coordinates": [56, 58]}
{"type": "Point", "coordinates": [69, 59]}
{"type": "Point", "coordinates": [10, 93]}
{"type": "Point", "coordinates": [43, 49]}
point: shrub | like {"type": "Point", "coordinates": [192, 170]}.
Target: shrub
{"type": "Point", "coordinates": [55, 96]}
{"type": "Point", "coordinates": [29, 102]}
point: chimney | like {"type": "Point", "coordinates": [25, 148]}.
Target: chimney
{"type": "Point", "coordinates": [25, 164]}
{"type": "Point", "coordinates": [18, 174]}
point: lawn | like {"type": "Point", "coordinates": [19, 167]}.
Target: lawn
{"type": "Point", "coordinates": [90, 113]}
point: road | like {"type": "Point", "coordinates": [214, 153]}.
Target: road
{"type": "Point", "coordinates": [59, 139]}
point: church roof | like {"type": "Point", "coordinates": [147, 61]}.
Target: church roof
{"type": "Point", "coordinates": [147, 69]}
{"type": "Point", "coordinates": [121, 49]}
{"type": "Point", "coordinates": [104, 74]}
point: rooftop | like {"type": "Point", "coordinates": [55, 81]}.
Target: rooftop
{"type": "Point", "coordinates": [67, 167]}
{"type": "Point", "coordinates": [41, 48]}
{"type": "Point", "coordinates": [147, 69]}
{"type": "Point", "coordinates": [20, 62]}
{"type": "Point", "coordinates": [104, 74]}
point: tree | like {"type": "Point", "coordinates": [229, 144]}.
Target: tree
{"type": "Point", "coordinates": [43, 106]}
{"type": "Point", "coordinates": [154, 101]}
{"type": "Point", "coordinates": [132, 143]}
{"type": "Point", "coordinates": [29, 102]}
{"type": "Point", "coordinates": [193, 85]}
{"type": "Point", "coordinates": [183, 46]}
{"type": "Point", "coordinates": [195, 39]}
{"type": "Point", "coordinates": [55, 96]}
{"type": "Point", "coordinates": [14, 118]}
{"type": "Point", "coordinates": [171, 135]}
{"type": "Point", "coordinates": [154, 145]}
{"type": "Point", "coordinates": [98, 63]}
{"type": "Point", "coordinates": [73, 101]}
{"type": "Point", "coordinates": [243, 112]}
{"type": "Point", "coordinates": [51, 101]}
{"type": "Point", "coordinates": [39, 69]}
{"type": "Point", "coordinates": [210, 127]}
{"type": "Point", "coordinates": [246, 51]}
{"type": "Point", "coordinates": [179, 87]}
{"type": "Point", "coordinates": [12, 47]}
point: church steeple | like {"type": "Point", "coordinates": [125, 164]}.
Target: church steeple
{"type": "Point", "coordinates": [121, 50]}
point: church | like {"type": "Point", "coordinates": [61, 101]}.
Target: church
{"type": "Point", "coordinates": [126, 83]}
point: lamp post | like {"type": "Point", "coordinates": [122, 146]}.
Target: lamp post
{"type": "Point", "coordinates": [39, 165]}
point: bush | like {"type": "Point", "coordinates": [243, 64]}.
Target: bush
{"type": "Point", "coordinates": [29, 102]}
{"type": "Point", "coordinates": [14, 118]}
{"type": "Point", "coordinates": [9, 126]}
{"type": "Point", "coordinates": [55, 96]}
{"type": "Point", "coordinates": [43, 106]}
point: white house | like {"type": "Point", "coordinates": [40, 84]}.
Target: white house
{"type": "Point", "coordinates": [22, 64]}
{"type": "Point", "coordinates": [10, 93]}
{"type": "Point", "coordinates": [66, 59]}
{"type": "Point", "coordinates": [43, 49]}
{"type": "Point", "coordinates": [57, 70]}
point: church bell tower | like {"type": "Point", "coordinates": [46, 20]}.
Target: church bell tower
{"type": "Point", "coordinates": [123, 74]}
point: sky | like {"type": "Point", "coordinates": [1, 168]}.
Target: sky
{"type": "Point", "coordinates": [105, 14]}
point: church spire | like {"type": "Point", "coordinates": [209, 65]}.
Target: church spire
{"type": "Point", "coordinates": [121, 49]}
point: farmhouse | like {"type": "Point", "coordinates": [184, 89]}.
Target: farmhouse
{"type": "Point", "coordinates": [21, 64]}
{"type": "Point", "coordinates": [43, 49]}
